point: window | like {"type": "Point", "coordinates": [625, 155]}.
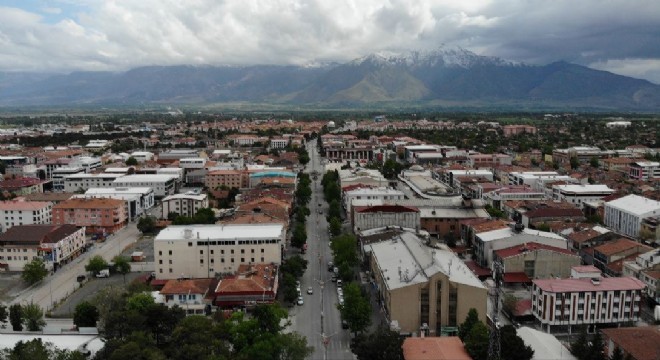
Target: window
{"type": "Point", "coordinates": [201, 261]}
{"type": "Point", "coordinates": [262, 251]}
{"type": "Point", "coordinates": [232, 260]}
{"type": "Point", "coordinates": [170, 252]}
{"type": "Point", "coordinates": [170, 270]}
{"type": "Point", "coordinates": [160, 270]}
{"type": "Point", "coordinates": [242, 260]}
{"type": "Point", "coordinates": [242, 251]}
{"type": "Point", "coordinates": [252, 251]}
{"type": "Point", "coordinates": [160, 262]}
{"type": "Point", "coordinates": [201, 252]}
{"type": "Point", "coordinates": [189, 244]}
{"type": "Point", "coordinates": [170, 261]}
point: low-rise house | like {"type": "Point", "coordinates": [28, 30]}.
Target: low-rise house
{"type": "Point", "coordinates": [22, 186]}
{"type": "Point", "coordinates": [535, 217]}
{"type": "Point", "coordinates": [252, 284]}
{"type": "Point", "coordinates": [371, 217]}
{"type": "Point", "coordinates": [192, 295]}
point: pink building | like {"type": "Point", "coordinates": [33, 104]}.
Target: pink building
{"type": "Point", "coordinates": [97, 215]}
{"type": "Point", "coordinates": [510, 130]}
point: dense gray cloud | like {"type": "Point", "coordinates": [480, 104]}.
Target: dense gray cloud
{"type": "Point", "coordinates": [612, 35]}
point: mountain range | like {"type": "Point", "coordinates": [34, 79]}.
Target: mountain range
{"type": "Point", "coordinates": [440, 78]}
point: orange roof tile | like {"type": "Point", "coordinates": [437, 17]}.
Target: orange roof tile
{"type": "Point", "coordinates": [94, 203]}
{"type": "Point", "coordinates": [192, 286]}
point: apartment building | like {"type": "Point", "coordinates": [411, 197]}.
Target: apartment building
{"type": "Point", "coordinates": [184, 204]}
{"type": "Point", "coordinates": [98, 216]}
{"type": "Point", "coordinates": [610, 256]}
{"type": "Point", "coordinates": [644, 170]}
{"type": "Point", "coordinates": [385, 194]}
{"type": "Point", "coordinates": [82, 181]}
{"type": "Point", "coordinates": [18, 212]}
{"type": "Point", "coordinates": [625, 215]}
{"type": "Point", "coordinates": [577, 194]}
{"type": "Point", "coordinates": [536, 261]}
{"type": "Point", "coordinates": [56, 244]}
{"type": "Point", "coordinates": [372, 217]}
{"type": "Point", "coordinates": [594, 301]}
{"type": "Point", "coordinates": [199, 250]}
{"type": "Point", "coordinates": [230, 178]}
{"type": "Point", "coordinates": [162, 184]}
{"type": "Point", "coordinates": [138, 199]}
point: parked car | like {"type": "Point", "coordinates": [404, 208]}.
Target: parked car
{"type": "Point", "coordinates": [338, 283]}
{"type": "Point", "coordinates": [334, 278]}
{"type": "Point", "coordinates": [300, 300]}
{"type": "Point", "coordinates": [310, 291]}
{"type": "Point", "coordinates": [103, 273]}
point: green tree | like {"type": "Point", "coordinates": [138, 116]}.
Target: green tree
{"type": "Point", "coordinates": [293, 346]}
{"type": "Point", "coordinates": [122, 265]}
{"type": "Point", "coordinates": [96, 264]}
{"type": "Point", "coordinates": [509, 304]}
{"type": "Point", "coordinates": [299, 237]}
{"type": "Point", "coordinates": [33, 317]}
{"type": "Point", "coordinates": [85, 315]}
{"type": "Point", "coordinates": [344, 249]}
{"type": "Point", "coordinates": [580, 347]}
{"type": "Point", "coordinates": [139, 302]}
{"type": "Point", "coordinates": [34, 271]}
{"type": "Point", "coordinates": [575, 163]}
{"type": "Point", "coordinates": [161, 321]}
{"type": "Point", "coordinates": [382, 344]}
{"type": "Point", "coordinates": [16, 317]}
{"type": "Point", "coordinates": [335, 226]}
{"type": "Point", "coordinates": [594, 162]}
{"type": "Point", "coordinates": [295, 265]}
{"type": "Point", "coordinates": [146, 224]}
{"type": "Point", "coordinates": [596, 348]}
{"type": "Point", "coordinates": [4, 313]}
{"type": "Point", "coordinates": [289, 287]}
{"type": "Point", "coordinates": [512, 346]}
{"type": "Point", "coordinates": [197, 337]}
{"type": "Point", "coordinates": [36, 349]}
{"type": "Point", "coordinates": [465, 328]}
{"type": "Point", "coordinates": [356, 309]}
{"type": "Point", "coordinates": [476, 342]}
{"type": "Point", "coordinates": [334, 210]}
{"type": "Point", "coordinates": [131, 161]}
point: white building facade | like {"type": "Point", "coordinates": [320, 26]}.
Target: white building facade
{"type": "Point", "coordinates": [625, 215]}
{"type": "Point", "coordinates": [13, 213]}
{"type": "Point", "coordinates": [200, 251]}
{"type": "Point", "coordinates": [184, 204]}
{"type": "Point", "coordinates": [82, 181]}
{"type": "Point", "coordinates": [163, 185]}
{"type": "Point", "coordinates": [578, 194]}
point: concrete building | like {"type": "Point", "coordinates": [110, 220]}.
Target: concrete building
{"type": "Point", "coordinates": [138, 199]}
{"type": "Point", "coordinates": [372, 217]}
{"type": "Point", "coordinates": [644, 170]}
{"type": "Point", "coordinates": [510, 130]}
{"type": "Point", "coordinates": [199, 250]}
{"type": "Point", "coordinates": [624, 215]}
{"type": "Point", "coordinates": [381, 193]}
{"type": "Point", "coordinates": [59, 175]}
{"type": "Point", "coordinates": [577, 194]}
{"type": "Point", "coordinates": [537, 261]}
{"type": "Point", "coordinates": [142, 156]}
{"type": "Point", "coordinates": [423, 288]}
{"type": "Point", "coordinates": [88, 163]}
{"type": "Point", "coordinates": [230, 178]}
{"type": "Point", "coordinates": [192, 163]}
{"type": "Point", "coordinates": [485, 243]}
{"type": "Point", "coordinates": [170, 156]}
{"type": "Point", "coordinates": [590, 302]}
{"type": "Point", "coordinates": [98, 216]}
{"type": "Point", "coordinates": [278, 143]}
{"type": "Point", "coordinates": [55, 244]}
{"type": "Point", "coordinates": [17, 212]}
{"type": "Point", "coordinates": [584, 154]}
{"type": "Point", "coordinates": [610, 256]}
{"type": "Point", "coordinates": [184, 204]}
{"type": "Point", "coordinates": [162, 185]}
{"type": "Point", "coordinates": [83, 182]}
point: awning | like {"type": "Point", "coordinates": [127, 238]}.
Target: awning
{"type": "Point", "coordinates": [517, 277]}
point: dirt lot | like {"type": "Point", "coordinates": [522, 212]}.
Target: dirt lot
{"type": "Point", "coordinates": [88, 291]}
{"type": "Point", "coordinates": [10, 285]}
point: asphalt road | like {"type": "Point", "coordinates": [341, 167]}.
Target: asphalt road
{"type": "Point", "coordinates": [319, 318]}
{"type": "Point", "coordinates": [60, 285]}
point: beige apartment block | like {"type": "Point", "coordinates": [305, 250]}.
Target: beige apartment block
{"type": "Point", "coordinates": [201, 251]}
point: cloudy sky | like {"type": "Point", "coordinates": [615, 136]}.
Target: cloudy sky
{"type": "Point", "coordinates": [621, 36]}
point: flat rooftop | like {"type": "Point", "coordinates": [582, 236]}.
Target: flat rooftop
{"type": "Point", "coordinates": [221, 232]}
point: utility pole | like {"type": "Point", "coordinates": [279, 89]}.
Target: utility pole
{"type": "Point", "coordinates": [494, 340]}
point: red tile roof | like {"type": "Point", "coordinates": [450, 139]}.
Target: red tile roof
{"type": "Point", "coordinates": [193, 286]}
{"type": "Point", "coordinates": [434, 348]}
{"type": "Point", "coordinates": [553, 212]}
{"type": "Point", "coordinates": [517, 277]}
{"type": "Point", "coordinates": [478, 270]}
{"type": "Point", "coordinates": [249, 278]}
{"type": "Point", "coordinates": [23, 205]}
{"type": "Point", "coordinates": [619, 245]}
{"type": "Point", "coordinates": [641, 342]}
{"type": "Point", "coordinates": [37, 234]}
{"type": "Point", "coordinates": [530, 246]}
{"type": "Point", "coordinates": [576, 285]}
{"type": "Point", "coordinates": [95, 203]}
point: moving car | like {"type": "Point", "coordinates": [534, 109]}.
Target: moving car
{"type": "Point", "coordinates": [310, 290]}
{"type": "Point", "coordinates": [300, 300]}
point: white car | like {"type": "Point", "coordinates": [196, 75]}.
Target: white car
{"type": "Point", "coordinates": [310, 290]}
{"type": "Point", "coordinates": [300, 300]}
{"type": "Point", "coordinates": [340, 292]}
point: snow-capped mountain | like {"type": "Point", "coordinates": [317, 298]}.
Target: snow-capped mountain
{"type": "Point", "coordinates": [440, 77]}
